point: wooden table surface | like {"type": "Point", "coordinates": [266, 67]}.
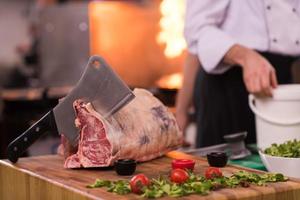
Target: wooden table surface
{"type": "Point", "coordinates": [43, 178]}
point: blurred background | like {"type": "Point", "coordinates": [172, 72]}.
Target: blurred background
{"type": "Point", "coordinates": [45, 45]}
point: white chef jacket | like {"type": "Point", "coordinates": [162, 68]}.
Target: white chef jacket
{"type": "Point", "coordinates": [212, 27]}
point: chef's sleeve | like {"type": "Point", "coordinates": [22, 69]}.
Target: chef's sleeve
{"type": "Point", "coordinates": [202, 33]}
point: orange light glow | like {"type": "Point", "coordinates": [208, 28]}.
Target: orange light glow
{"type": "Point", "coordinates": [173, 81]}
{"type": "Point", "coordinates": [171, 24]}
{"type": "Point", "coordinates": [125, 34]}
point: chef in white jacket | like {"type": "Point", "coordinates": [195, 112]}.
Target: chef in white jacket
{"type": "Point", "coordinates": [243, 46]}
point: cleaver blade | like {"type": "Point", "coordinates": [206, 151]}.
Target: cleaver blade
{"type": "Point", "coordinates": [99, 85]}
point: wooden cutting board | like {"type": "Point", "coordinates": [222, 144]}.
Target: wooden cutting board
{"type": "Point", "coordinates": [43, 178]}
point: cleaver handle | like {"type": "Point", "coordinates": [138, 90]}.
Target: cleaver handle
{"type": "Point", "coordinates": [17, 147]}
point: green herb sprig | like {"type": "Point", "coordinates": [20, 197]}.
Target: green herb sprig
{"type": "Point", "coordinates": [119, 187]}
{"type": "Point", "coordinates": [196, 184]}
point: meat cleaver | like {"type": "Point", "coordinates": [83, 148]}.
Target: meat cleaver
{"type": "Point", "coordinates": [98, 85]}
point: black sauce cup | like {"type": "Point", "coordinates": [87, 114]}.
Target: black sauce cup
{"type": "Point", "coordinates": [217, 159]}
{"type": "Point", "coordinates": [125, 167]}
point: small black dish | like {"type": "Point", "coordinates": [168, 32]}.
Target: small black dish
{"type": "Point", "coordinates": [217, 159]}
{"type": "Point", "coordinates": [125, 167]}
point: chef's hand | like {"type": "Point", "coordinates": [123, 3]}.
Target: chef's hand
{"type": "Point", "coordinates": [258, 74]}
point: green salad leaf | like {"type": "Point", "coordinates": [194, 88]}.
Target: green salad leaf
{"type": "Point", "coordinates": [289, 149]}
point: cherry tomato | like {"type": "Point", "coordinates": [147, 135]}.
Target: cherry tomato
{"type": "Point", "coordinates": [138, 182]}
{"type": "Point", "coordinates": [213, 172]}
{"type": "Point", "coordinates": [179, 175]}
{"type": "Point", "coordinates": [183, 164]}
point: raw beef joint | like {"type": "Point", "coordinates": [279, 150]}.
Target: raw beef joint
{"type": "Point", "coordinates": [142, 130]}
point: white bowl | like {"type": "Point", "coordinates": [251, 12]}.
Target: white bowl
{"type": "Point", "coordinates": [286, 166]}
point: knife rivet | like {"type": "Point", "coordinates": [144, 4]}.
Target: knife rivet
{"type": "Point", "coordinates": [15, 148]}
{"type": "Point", "coordinates": [96, 64]}
{"type": "Point", "coordinates": [37, 129]}
{"type": "Point", "coordinates": [25, 139]}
